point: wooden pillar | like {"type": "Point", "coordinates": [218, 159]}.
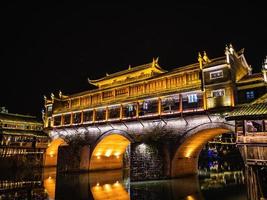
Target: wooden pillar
{"type": "Point", "coordinates": [121, 109]}
{"type": "Point", "coordinates": [204, 100]}
{"type": "Point", "coordinates": [70, 106]}
{"type": "Point", "coordinates": [62, 120]}
{"type": "Point", "coordinates": [71, 118]}
{"type": "Point", "coordinates": [81, 117]}
{"type": "Point", "coordinates": [137, 109]}
{"type": "Point", "coordinates": [159, 106]}
{"type": "Point", "coordinates": [107, 114]}
{"type": "Point", "coordinates": [180, 103]}
{"type": "Point", "coordinates": [94, 114]}
{"type": "Point", "coordinates": [232, 96]}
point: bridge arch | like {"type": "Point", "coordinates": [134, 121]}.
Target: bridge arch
{"type": "Point", "coordinates": [185, 158]}
{"type": "Point", "coordinates": [108, 150]}
{"type": "Point", "coordinates": [51, 154]}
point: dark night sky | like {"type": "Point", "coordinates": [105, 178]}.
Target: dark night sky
{"type": "Point", "coordinates": [47, 48]}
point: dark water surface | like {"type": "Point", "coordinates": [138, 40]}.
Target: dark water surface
{"type": "Point", "coordinates": [220, 179]}
{"type": "Point", "coordinates": [113, 185]}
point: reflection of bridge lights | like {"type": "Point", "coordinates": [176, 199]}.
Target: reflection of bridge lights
{"type": "Point", "coordinates": [108, 152]}
{"type": "Point", "coordinates": [190, 197]}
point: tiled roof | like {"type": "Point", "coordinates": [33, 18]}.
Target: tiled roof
{"type": "Point", "coordinates": [251, 111]}
{"type": "Point", "coordinates": [127, 71]}
{"type": "Point", "coordinates": [23, 132]}
{"type": "Point", "coordinates": [252, 77]}
{"type": "Point", "coordinates": [262, 99]}
{"type": "Point", "coordinates": [18, 117]}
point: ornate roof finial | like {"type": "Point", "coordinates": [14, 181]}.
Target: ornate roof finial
{"type": "Point", "coordinates": [60, 94]}
{"type": "Point", "coordinates": [45, 98]}
{"type": "Point", "coordinates": [107, 74]}
{"type": "Point", "coordinates": [52, 96]}
{"type": "Point", "coordinates": [157, 59]}
{"type": "Point", "coordinates": [231, 48]}
{"type": "Point", "coordinates": [200, 60]}
{"type": "Point", "coordinates": [205, 57]}
{"type": "Point", "coordinates": [129, 67]}
{"type": "Point", "coordinates": [227, 54]}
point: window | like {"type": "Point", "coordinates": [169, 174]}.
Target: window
{"type": "Point", "coordinates": [254, 125]}
{"type": "Point", "coordinates": [217, 93]}
{"type": "Point", "coordinates": [250, 95]}
{"type": "Point", "coordinates": [216, 74]}
{"type": "Point", "coordinates": [76, 118]}
{"type": "Point", "coordinates": [145, 105]}
{"type": "Point", "coordinates": [88, 116]}
{"type": "Point", "coordinates": [192, 98]}
{"type": "Point", "coordinates": [57, 120]}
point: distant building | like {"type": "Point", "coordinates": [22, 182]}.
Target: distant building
{"type": "Point", "coordinates": [21, 136]}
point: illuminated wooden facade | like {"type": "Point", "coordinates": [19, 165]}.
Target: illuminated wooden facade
{"type": "Point", "coordinates": [21, 135]}
{"type": "Point", "coordinates": [149, 91]}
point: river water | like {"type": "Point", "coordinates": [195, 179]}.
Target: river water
{"type": "Point", "coordinates": [218, 180]}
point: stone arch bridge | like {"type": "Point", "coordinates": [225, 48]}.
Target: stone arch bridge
{"type": "Point", "coordinates": [157, 148]}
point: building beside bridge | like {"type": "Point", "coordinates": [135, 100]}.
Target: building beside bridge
{"type": "Point", "coordinates": [188, 103]}
{"type": "Point", "coordinates": [22, 140]}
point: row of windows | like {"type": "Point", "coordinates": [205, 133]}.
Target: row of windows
{"type": "Point", "coordinates": [169, 104]}
{"type": "Point", "coordinates": [134, 90]}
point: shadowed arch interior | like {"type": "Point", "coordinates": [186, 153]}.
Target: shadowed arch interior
{"type": "Point", "coordinates": [185, 160]}
{"type": "Point", "coordinates": [108, 153]}
{"type": "Point", "coordinates": [52, 152]}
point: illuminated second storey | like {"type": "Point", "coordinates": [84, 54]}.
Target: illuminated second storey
{"type": "Point", "coordinates": [149, 91]}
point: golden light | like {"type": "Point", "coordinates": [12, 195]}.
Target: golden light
{"type": "Point", "coordinates": [107, 188]}
{"type": "Point", "coordinates": [108, 152]}
{"type": "Point", "coordinates": [111, 149]}
{"type": "Point", "coordinates": [186, 157]}
{"type": "Point", "coordinates": [51, 154]}
{"type": "Point", "coordinates": [116, 184]}
{"type": "Point", "coordinates": [190, 197]}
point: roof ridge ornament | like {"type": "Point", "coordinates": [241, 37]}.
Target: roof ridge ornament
{"type": "Point", "coordinates": [200, 60]}
{"type": "Point", "coordinates": [206, 58]}
{"type": "Point", "coordinates": [227, 52]}
{"type": "Point", "coordinates": [231, 48]}
{"type": "Point", "coordinates": [155, 61]}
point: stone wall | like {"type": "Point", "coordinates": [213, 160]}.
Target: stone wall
{"type": "Point", "coordinates": [149, 161]}
{"type": "Point", "coordinates": [73, 159]}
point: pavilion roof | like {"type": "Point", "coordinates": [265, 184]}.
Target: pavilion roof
{"type": "Point", "coordinates": [249, 111]}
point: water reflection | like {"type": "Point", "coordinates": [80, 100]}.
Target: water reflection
{"type": "Point", "coordinates": [46, 184]}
